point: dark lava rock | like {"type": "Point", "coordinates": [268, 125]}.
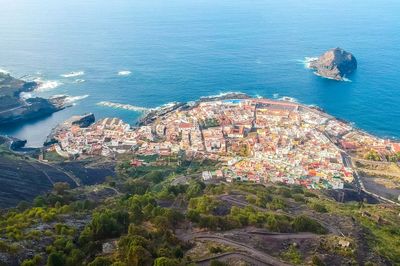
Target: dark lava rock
{"type": "Point", "coordinates": [335, 64]}
{"type": "Point", "coordinates": [17, 143]}
{"type": "Point", "coordinates": [14, 109]}
{"type": "Point", "coordinates": [85, 120]}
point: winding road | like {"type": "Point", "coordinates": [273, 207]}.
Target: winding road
{"type": "Point", "coordinates": [259, 257]}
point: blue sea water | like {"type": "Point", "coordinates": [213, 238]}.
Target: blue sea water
{"type": "Point", "coordinates": [179, 50]}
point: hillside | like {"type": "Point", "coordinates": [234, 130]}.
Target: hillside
{"type": "Point", "coordinates": [22, 178]}
{"type": "Point", "coordinates": [162, 213]}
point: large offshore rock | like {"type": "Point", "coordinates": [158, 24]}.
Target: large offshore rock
{"type": "Point", "coordinates": [334, 64]}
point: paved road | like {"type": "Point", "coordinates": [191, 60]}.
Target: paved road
{"type": "Point", "coordinates": [234, 256]}
{"type": "Point", "coordinates": [283, 236]}
{"type": "Point", "coordinates": [256, 254]}
{"type": "Point", "coordinates": [12, 109]}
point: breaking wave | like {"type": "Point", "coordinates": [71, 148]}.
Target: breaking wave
{"type": "Point", "coordinates": [70, 99]}
{"type": "Point", "coordinates": [3, 71]}
{"type": "Point", "coordinates": [25, 95]}
{"type": "Point", "coordinates": [344, 79]}
{"type": "Point", "coordinates": [124, 73]}
{"type": "Point", "coordinates": [73, 74]}
{"type": "Point", "coordinates": [288, 99]}
{"type": "Point", "coordinates": [307, 61]}
{"type": "Point", "coordinates": [46, 85]}
{"type": "Point", "coordinates": [79, 81]}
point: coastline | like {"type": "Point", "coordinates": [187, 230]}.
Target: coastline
{"type": "Point", "coordinates": [150, 114]}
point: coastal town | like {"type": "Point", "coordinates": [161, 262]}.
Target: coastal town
{"type": "Point", "coordinates": [253, 139]}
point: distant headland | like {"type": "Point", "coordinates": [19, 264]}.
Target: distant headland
{"type": "Point", "coordinates": [15, 108]}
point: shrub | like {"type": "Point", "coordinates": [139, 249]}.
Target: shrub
{"type": "Point", "coordinates": [305, 224]}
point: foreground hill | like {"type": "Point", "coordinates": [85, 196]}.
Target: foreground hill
{"type": "Point", "coordinates": [23, 178]}
{"type": "Point", "coordinates": [161, 213]}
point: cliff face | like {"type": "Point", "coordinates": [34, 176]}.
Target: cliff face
{"type": "Point", "coordinates": [14, 109]}
{"type": "Point", "coordinates": [335, 64]}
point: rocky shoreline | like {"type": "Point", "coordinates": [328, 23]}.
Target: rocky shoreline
{"type": "Point", "coordinates": [16, 109]}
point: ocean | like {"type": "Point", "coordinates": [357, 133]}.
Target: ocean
{"type": "Point", "coordinates": [148, 53]}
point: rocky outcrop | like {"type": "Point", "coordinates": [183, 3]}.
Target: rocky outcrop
{"type": "Point", "coordinates": [14, 109]}
{"type": "Point", "coordinates": [84, 120]}
{"type": "Point", "coordinates": [77, 120]}
{"type": "Point", "coordinates": [334, 64]}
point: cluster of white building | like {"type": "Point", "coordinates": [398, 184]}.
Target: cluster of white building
{"type": "Point", "coordinates": [258, 140]}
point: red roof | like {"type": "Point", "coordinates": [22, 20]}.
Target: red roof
{"type": "Point", "coordinates": [185, 125]}
{"type": "Point", "coordinates": [348, 145]}
{"type": "Point", "coordinates": [396, 147]}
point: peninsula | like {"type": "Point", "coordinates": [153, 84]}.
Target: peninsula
{"type": "Point", "coordinates": [14, 108]}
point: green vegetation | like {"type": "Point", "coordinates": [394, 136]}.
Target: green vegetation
{"type": "Point", "coordinates": [209, 122]}
{"type": "Point", "coordinates": [380, 224]}
{"type": "Point", "coordinates": [318, 207]}
{"type": "Point", "coordinates": [373, 156]}
{"type": "Point", "coordinates": [292, 255]}
{"type": "Point", "coordinates": [393, 158]}
{"type": "Point", "coordinates": [141, 220]}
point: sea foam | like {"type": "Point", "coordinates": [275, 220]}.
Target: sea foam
{"type": "Point", "coordinates": [70, 99]}
{"type": "Point", "coordinates": [3, 71]}
{"type": "Point", "coordinates": [73, 74]}
{"type": "Point", "coordinates": [73, 99]}
{"type": "Point", "coordinates": [79, 81]}
{"type": "Point", "coordinates": [46, 85]}
{"type": "Point", "coordinates": [25, 95]}
{"type": "Point", "coordinates": [124, 73]}
{"type": "Point", "coordinates": [288, 99]}
{"type": "Point", "coordinates": [307, 61]}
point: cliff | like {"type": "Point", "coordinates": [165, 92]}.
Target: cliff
{"type": "Point", "coordinates": [15, 109]}
{"type": "Point", "coordinates": [335, 64]}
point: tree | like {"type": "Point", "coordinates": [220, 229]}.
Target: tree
{"type": "Point", "coordinates": [55, 259]}
{"type": "Point", "coordinates": [39, 202]}
{"type": "Point", "coordinates": [319, 207]}
{"type": "Point", "coordinates": [272, 223]}
{"type": "Point", "coordinates": [195, 189]}
{"type": "Point", "coordinates": [36, 260]}
{"type": "Point", "coordinates": [373, 156]}
{"type": "Point", "coordinates": [303, 223]}
{"type": "Point", "coordinates": [316, 261]}
{"type": "Point", "coordinates": [23, 205]}
{"type": "Point", "coordinates": [163, 261]}
{"type": "Point", "coordinates": [101, 261]}
{"type": "Point", "coordinates": [104, 226]}
{"type": "Point", "coordinates": [139, 256]}
{"type": "Point", "coordinates": [60, 187]}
